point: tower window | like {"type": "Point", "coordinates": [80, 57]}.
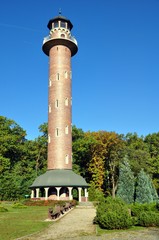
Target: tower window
{"type": "Point", "coordinates": [66, 129]}
{"type": "Point", "coordinates": [56, 24]}
{"type": "Point", "coordinates": [56, 132]}
{"type": "Point", "coordinates": [58, 76]}
{"type": "Point", "coordinates": [49, 138]}
{"type": "Point", "coordinates": [57, 103]}
{"type": "Point", "coordinates": [66, 74]}
{"type": "Point", "coordinates": [70, 74]}
{"type": "Point", "coordinates": [66, 101]}
{"type": "Point", "coordinates": [50, 83]}
{"type": "Point", "coordinates": [63, 35]}
{"type": "Point", "coordinates": [66, 159]}
{"type": "Point", "coordinates": [63, 24]}
{"type": "Point", "coordinates": [49, 108]}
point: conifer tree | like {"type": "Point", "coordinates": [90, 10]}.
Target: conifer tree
{"type": "Point", "coordinates": [126, 183]}
{"type": "Point", "coordinates": [145, 191]}
{"type": "Point", "coordinates": [153, 190]}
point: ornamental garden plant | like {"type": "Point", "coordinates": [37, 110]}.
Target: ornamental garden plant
{"type": "Point", "coordinates": [114, 213]}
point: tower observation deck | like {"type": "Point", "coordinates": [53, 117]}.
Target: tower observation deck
{"type": "Point", "coordinates": [60, 34]}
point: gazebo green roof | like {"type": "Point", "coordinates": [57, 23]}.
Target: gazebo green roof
{"type": "Point", "coordinates": [59, 178]}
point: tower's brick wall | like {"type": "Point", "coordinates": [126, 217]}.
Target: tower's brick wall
{"type": "Point", "coordinates": [60, 109]}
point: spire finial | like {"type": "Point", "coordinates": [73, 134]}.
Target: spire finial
{"type": "Point", "coordinates": [59, 11]}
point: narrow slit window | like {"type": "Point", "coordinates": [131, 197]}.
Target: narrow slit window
{"type": "Point", "coordinates": [49, 108]}
{"type": "Point", "coordinates": [66, 101]}
{"type": "Point", "coordinates": [49, 138]}
{"type": "Point", "coordinates": [70, 74]}
{"type": "Point", "coordinates": [66, 129]}
{"type": "Point", "coordinates": [57, 132]}
{"type": "Point", "coordinates": [58, 76]}
{"type": "Point", "coordinates": [66, 74]}
{"type": "Point", "coordinates": [57, 103]}
{"type": "Point", "coordinates": [66, 159]}
{"type": "Point", "coordinates": [50, 83]}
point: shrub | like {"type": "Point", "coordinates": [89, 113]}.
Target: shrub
{"type": "Point", "coordinates": [2, 209]}
{"type": "Point", "coordinates": [95, 194]}
{"type": "Point", "coordinates": [113, 214]}
{"type": "Point", "coordinates": [148, 219]}
{"type": "Point", "coordinates": [18, 205]}
{"type": "Point", "coordinates": [137, 208]}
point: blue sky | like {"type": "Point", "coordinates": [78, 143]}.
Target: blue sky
{"type": "Point", "coordinates": [115, 72]}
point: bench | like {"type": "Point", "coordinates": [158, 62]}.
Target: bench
{"type": "Point", "coordinates": [53, 214]}
{"type": "Point", "coordinates": [67, 206]}
{"type": "Point", "coordinates": [58, 210]}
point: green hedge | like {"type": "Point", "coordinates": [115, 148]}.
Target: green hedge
{"type": "Point", "coordinates": [113, 214]}
{"type": "Point", "coordinates": [148, 219]}
{"type": "Point", "coordinates": [137, 208]}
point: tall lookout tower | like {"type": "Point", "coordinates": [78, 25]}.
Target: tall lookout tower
{"type": "Point", "coordinates": [59, 182]}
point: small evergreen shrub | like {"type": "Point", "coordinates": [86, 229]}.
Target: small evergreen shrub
{"type": "Point", "coordinates": [113, 214]}
{"type": "Point", "coordinates": [137, 208]}
{"type": "Point", "coordinates": [148, 219]}
{"type": "Point", "coordinates": [2, 209]}
{"type": "Point", "coordinates": [18, 205]}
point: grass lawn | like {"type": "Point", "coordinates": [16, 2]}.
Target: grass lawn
{"type": "Point", "coordinates": [24, 221]}
{"type": "Point", "coordinates": [101, 231]}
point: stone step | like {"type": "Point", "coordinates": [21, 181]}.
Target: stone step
{"type": "Point", "coordinates": [85, 205]}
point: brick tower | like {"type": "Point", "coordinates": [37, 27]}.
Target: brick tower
{"type": "Point", "coordinates": [59, 179]}
{"type": "Point", "coordinates": [60, 46]}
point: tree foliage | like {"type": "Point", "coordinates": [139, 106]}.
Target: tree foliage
{"type": "Point", "coordinates": [20, 160]}
{"type": "Point", "coordinates": [145, 192]}
{"type": "Point", "coordinates": [96, 156]}
{"type": "Point", "coordinates": [126, 183]}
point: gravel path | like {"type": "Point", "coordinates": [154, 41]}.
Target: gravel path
{"type": "Point", "coordinates": [77, 224]}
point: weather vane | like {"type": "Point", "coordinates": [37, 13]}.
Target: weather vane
{"type": "Point", "coordinates": [60, 11]}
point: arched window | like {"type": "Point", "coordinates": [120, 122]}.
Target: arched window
{"type": "Point", "coordinates": [66, 159]}
{"type": "Point", "coordinates": [49, 138]}
{"type": "Point", "coordinates": [66, 129]}
{"type": "Point", "coordinates": [70, 74]}
{"type": "Point", "coordinates": [66, 74]}
{"type": "Point", "coordinates": [49, 108]}
{"type": "Point", "coordinates": [66, 101]}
